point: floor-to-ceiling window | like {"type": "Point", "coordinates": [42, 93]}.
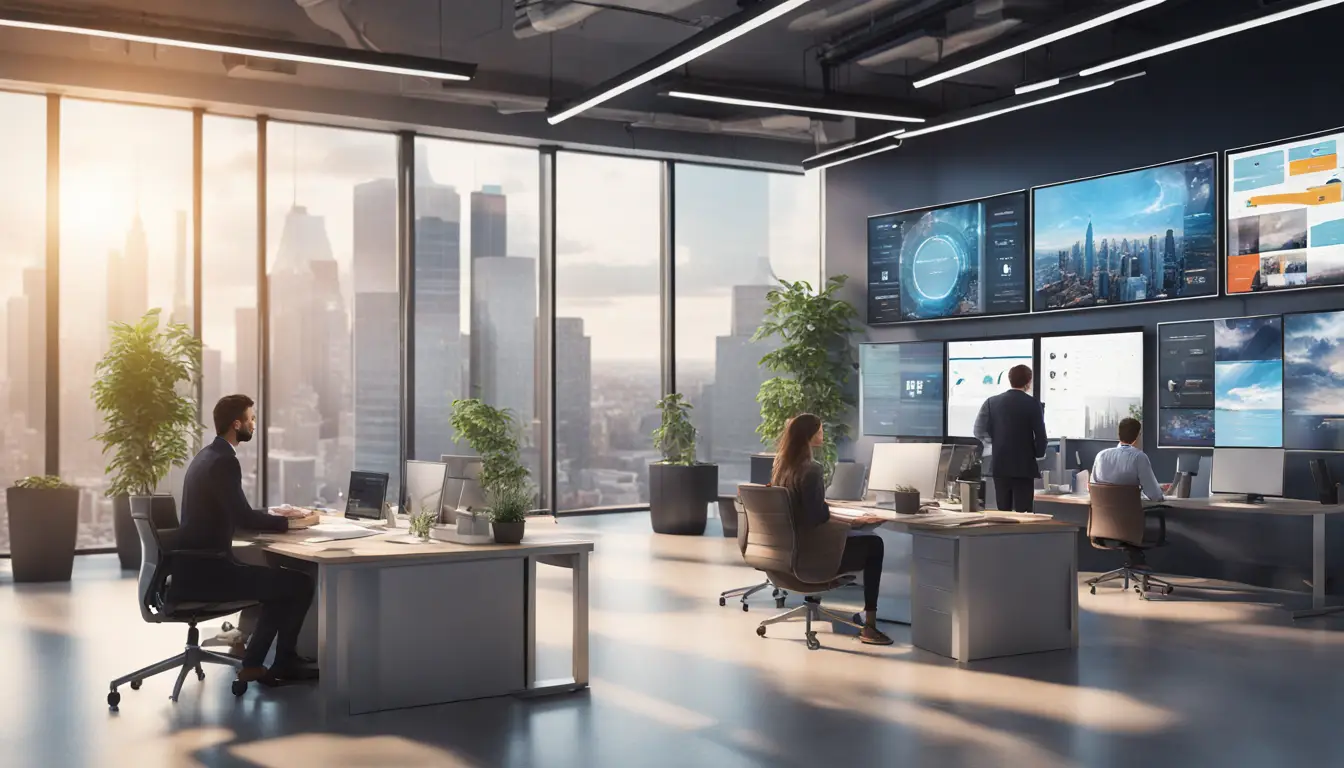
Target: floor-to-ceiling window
{"type": "Point", "coordinates": [737, 234]}
{"type": "Point", "coordinates": [477, 240]}
{"type": "Point", "coordinates": [23, 291]}
{"type": "Point", "coordinates": [335, 344]}
{"type": "Point", "coordinates": [607, 328]}
{"type": "Point", "coordinates": [229, 329]}
{"type": "Point", "coordinates": [126, 207]}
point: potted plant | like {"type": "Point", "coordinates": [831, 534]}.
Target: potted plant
{"type": "Point", "coordinates": [509, 506]}
{"type": "Point", "coordinates": [150, 419]}
{"type": "Point", "coordinates": [814, 362]}
{"type": "Point", "coordinates": [906, 500]}
{"type": "Point", "coordinates": [423, 521]}
{"type": "Point", "coordinates": [43, 519]}
{"type": "Point", "coordinates": [680, 488]}
{"type": "Point", "coordinates": [494, 436]}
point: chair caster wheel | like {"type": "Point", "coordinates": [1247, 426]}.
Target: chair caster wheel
{"type": "Point", "coordinates": [779, 603]}
{"type": "Point", "coordinates": [723, 601]}
{"type": "Point", "coordinates": [774, 593]}
{"type": "Point", "coordinates": [113, 699]}
{"type": "Point", "coordinates": [200, 674]}
{"type": "Point", "coordinates": [135, 684]}
{"type": "Point", "coordinates": [760, 631]}
{"type": "Point", "coordinates": [1093, 590]}
{"type": "Point", "coordinates": [812, 642]}
{"type": "Point", "coordinates": [239, 687]}
{"type": "Point", "coordinates": [745, 607]}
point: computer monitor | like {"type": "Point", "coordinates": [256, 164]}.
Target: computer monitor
{"type": "Point", "coordinates": [1255, 472]}
{"type": "Point", "coordinates": [955, 459]}
{"type": "Point", "coordinates": [426, 485]}
{"type": "Point", "coordinates": [368, 492]}
{"type": "Point", "coordinates": [463, 467]}
{"type": "Point", "coordinates": [464, 487]}
{"type": "Point", "coordinates": [914, 465]}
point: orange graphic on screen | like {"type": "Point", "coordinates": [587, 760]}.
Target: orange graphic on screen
{"type": "Point", "coordinates": [1241, 272]}
{"type": "Point", "coordinates": [1315, 164]}
{"type": "Point", "coordinates": [1326, 194]}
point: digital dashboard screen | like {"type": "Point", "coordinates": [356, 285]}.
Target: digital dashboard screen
{"type": "Point", "coordinates": [901, 388]}
{"type": "Point", "coordinates": [1136, 236]}
{"type": "Point", "coordinates": [1313, 381]}
{"type": "Point", "coordinates": [1285, 216]}
{"type": "Point", "coordinates": [976, 371]}
{"type": "Point", "coordinates": [958, 260]}
{"type": "Point", "coordinates": [1088, 383]}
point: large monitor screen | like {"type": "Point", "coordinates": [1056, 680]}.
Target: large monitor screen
{"type": "Point", "coordinates": [1285, 216]}
{"type": "Point", "coordinates": [1144, 235]}
{"type": "Point", "coordinates": [1220, 383]}
{"type": "Point", "coordinates": [1313, 379]}
{"type": "Point", "coordinates": [976, 371]}
{"type": "Point", "coordinates": [901, 389]}
{"type": "Point", "coordinates": [956, 260]}
{"type": "Point", "coordinates": [1089, 383]}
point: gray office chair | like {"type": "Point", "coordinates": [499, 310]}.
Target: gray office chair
{"type": "Point", "coordinates": [808, 565]}
{"type": "Point", "coordinates": [745, 592]}
{"type": "Point", "coordinates": [155, 608]}
{"type": "Point", "coordinates": [1117, 520]}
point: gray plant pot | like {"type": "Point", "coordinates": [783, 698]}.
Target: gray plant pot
{"type": "Point", "coordinates": [42, 527]}
{"type": "Point", "coordinates": [509, 533]}
{"type": "Point", "coordinates": [907, 502]}
{"type": "Point", "coordinates": [163, 513]}
{"type": "Point", "coordinates": [679, 497]}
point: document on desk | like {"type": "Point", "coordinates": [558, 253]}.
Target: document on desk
{"type": "Point", "coordinates": [324, 532]}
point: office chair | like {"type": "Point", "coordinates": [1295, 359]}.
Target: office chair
{"type": "Point", "coordinates": [745, 592]}
{"type": "Point", "coordinates": [808, 565]}
{"type": "Point", "coordinates": [1117, 520]}
{"type": "Point", "coordinates": [155, 608]}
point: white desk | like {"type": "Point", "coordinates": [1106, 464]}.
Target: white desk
{"type": "Point", "coordinates": [1277, 507]}
{"type": "Point", "coordinates": [978, 592]}
{"type": "Point", "coordinates": [406, 625]}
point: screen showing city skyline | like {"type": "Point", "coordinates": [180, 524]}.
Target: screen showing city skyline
{"type": "Point", "coordinates": [1136, 236]}
{"type": "Point", "coordinates": [956, 260]}
{"type": "Point", "coordinates": [1285, 216]}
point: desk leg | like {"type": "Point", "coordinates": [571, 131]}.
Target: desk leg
{"type": "Point", "coordinates": [578, 565]}
{"type": "Point", "coordinates": [581, 619]}
{"type": "Point", "coordinates": [1318, 606]}
{"type": "Point", "coordinates": [330, 656]}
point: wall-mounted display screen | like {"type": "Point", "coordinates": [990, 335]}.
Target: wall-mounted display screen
{"type": "Point", "coordinates": [1220, 383]}
{"type": "Point", "coordinates": [1143, 235]}
{"type": "Point", "coordinates": [1285, 216]}
{"type": "Point", "coordinates": [1313, 378]}
{"type": "Point", "coordinates": [957, 260]}
{"type": "Point", "coordinates": [1089, 383]}
{"type": "Point", "coordinates": [901, 388]}
{"type": "Point", "coordinates": [976, 371]}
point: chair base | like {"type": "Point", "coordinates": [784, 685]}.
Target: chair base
{"type": "Point", "coordinates": [778, 594]}
{"type": "Point", "coordinates": [1142, 578]}
{"type": "Point", "coordinates": [809, 611]}
{"type": "Point", "coordinates": [192, 658]}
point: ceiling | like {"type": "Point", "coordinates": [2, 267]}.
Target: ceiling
{"type": "Point", "coordinates": [534, 52]}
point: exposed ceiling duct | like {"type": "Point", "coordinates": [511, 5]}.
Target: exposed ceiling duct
{"type": "Point", "coordinates": [965, 27]}
{"type": "Point", "coordinates": [842, 14]}
{"type": "Point", "coordinates": [339, 18]}
{"type": "Point", "coordinates": [532, 18]}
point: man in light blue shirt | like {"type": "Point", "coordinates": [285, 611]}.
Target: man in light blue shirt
{"type": "Point", "coordinates": [1126, 464]}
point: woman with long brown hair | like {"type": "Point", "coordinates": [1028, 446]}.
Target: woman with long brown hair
{"type": "Point", "coordinates": [796, 470]}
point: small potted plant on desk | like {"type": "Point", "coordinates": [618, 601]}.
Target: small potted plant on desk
{"type": "Point", "coordinates": [492, 433]}
{"type": "Point", "coordinates": [151, 425]}
{"type": "Point", "coordinates": [43, 519]}
{"type": "Point", "coordinates": [680, 488]}
{"type": "Point", "coordinates": [907, 500]}
{"type": "Point", "coordinates": [508, 513]}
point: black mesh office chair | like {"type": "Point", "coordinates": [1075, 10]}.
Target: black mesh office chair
{"type": "Point", "coordinates": [155, 574]}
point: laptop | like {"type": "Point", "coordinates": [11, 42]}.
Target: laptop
{"type": "Point", "coordinates": [364, 503]}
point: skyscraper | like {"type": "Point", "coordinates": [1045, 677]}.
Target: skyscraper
{"type": "Point", "coordinates": [246, 379]}
{"type": "Point", "coordinates": [574, 400]}
{"type": "Point", "coordinates": [489, 222]}
{"type": "Point", "coordinates": [1089, 255]}
{"type": "Point", "coordinates": [504, 340]}
{"type": "Point", "coordinates": [438, 312]}
{"type": "Point", "coordinates": [1151, 265]}
{"type": "Point", "coordinates": [128, 276]}
{"type": "Point", "coordinates": [1168, 259]}
{"type": "Point", "coordinates": [181, 301]}
{"type": "Point", "coordinates": [738, 376]}
{"type": "Point", "coordinates": [377, 334]}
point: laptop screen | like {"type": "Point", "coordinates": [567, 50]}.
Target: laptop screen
{"type": "Point", "coordinates": [368, 491]}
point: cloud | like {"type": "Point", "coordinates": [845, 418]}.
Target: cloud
{"type": "Point", "coordinates": [1256, 397]}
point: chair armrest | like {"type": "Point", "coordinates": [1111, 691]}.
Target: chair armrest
{"type": "Point", "coordinates": [820, 551]}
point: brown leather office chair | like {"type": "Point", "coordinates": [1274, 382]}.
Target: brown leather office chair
{"type": "Point", "coordinates": [778, 594]}
{"type": "Point", "coordinates": [1117, 520]}
{"type": "Point", "coordinates": [808, 564]}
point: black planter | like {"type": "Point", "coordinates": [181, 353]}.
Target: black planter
{"type": "Point", "coordinates": [164, 515]}
{"type": "Point", "coordinates": [509, 533]}
{"type": "Point", "coordinates": [762, 467]}
{"type": "Point", "coordinates": [679, 497]}
{"type": "Point", "coordinates": [728, 516]}
{"type": "Point", "coordinates": [42, 527]}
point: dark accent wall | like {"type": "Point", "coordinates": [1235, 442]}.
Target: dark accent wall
{"type": "Point", "coordinates": [1264, 85]}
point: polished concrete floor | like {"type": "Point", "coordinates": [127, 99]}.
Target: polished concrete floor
{"type": "Point", "coordinates": [1199, 679]}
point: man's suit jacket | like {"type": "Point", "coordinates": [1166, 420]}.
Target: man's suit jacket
{"type": "Point", "coordinates": [1013, 425]}
{"type": "Point", "coordinates": [213, 502]}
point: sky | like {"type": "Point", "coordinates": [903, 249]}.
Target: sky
{"type": "Point", "coordinates": [1314, 363]}
{"type": "Point", "coordinates": [1233, 338]}
{"type": "Point", "coordinates": [1127, 205]}
{"type": "Point", "coordinates": [1255, 385]}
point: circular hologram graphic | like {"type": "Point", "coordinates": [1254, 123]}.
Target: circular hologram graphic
{"type": "Point", "coordinates": [937, 268]}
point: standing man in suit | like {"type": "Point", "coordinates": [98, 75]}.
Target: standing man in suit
{"type": "Point", "coordinates": [1012, 427]}
{"type": "Point", "coordinates": [213, 506]}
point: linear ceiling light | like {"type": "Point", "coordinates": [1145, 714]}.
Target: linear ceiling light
{"type": "Point", "coordinates": [256, 47]}
{"type": "Point", "coordinates": [793, 107]}
{"type": "Point", "coordinates": [1213, 35]}
{"type": "Point", "coordinates": [689, 50]}
{"type": "Point", "coordinates": [807, 166]}
{"type": "Point", "coordinates": [853, 144]}
{"type": "Point", "coordinates": [1041, 86]}
{"type": "Point", "coordinates": [1092, 23]}
{"type": "Point", "coordinates": [1006, 110]}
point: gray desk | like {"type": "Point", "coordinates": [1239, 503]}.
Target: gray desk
{"type": "Point", "coordinates": [979, 592]}
{"type": "Point", "coordinates": [406, 625]}
{"type": "Point", "coordinates": [1276, 507]}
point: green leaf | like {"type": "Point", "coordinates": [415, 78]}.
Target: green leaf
{"type": "Point", "coordinates": [675, 436]}
{"type": "Point", "coordinates": [495, 437]}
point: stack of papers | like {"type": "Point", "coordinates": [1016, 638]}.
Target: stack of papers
{"type": "Point", "coordinates": [337, 532]}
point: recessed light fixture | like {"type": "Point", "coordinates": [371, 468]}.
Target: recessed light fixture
{"type": "Point", "coordinates": [718, 99]}
{"type": "Point", "coordinates": [841, 160]}
{"type": "Point", "coordinates": [1069, 31]}
{"type": "Point", "coordinates": [1014, 108]}
{"type": "Point", "coordinates": [1041, 86]}
{"type": "Point", "coordinates": [691, 49]}
{"type": "Point", "coordinates": [243, 45]}
{"type": "Point", "coordinates": [853, 144]}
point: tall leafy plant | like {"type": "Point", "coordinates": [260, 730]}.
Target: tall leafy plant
{"type": "Point", "coordinates": [494, 435]}
{"type": "Point", "coordinates": [814, 361]}
{"type": "Point", "coordinates": [675, 436]}
{"type": "Point", "coordinates": [144, 392]}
